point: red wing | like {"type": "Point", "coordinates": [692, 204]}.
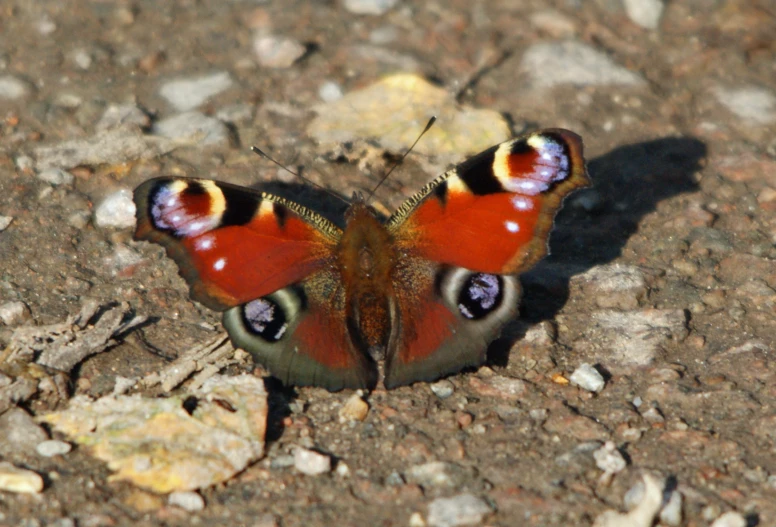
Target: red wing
{"type": "Point", "coordinates": [493, 213]}
{"type": "Point", "coordinates": [232, 244]}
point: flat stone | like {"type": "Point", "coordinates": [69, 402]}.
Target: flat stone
{"type": "Point", "coordinates": [573, 62]}
{"type": "Point", "coordinates": [56, 177]}
{"type": "Point", "coordinates": [119, 114]}
{"type": "Point", "coordinates": [19, 480]}
{"type": "Point", "coordinates": [645, 13]}
{"type": "Point", "coordinates": [442, 389]}
{"type": "Point", "coordinates": [750, 103]}
{"type": "Point", "coordinates": [5, 221]}
{"type": "Point", "coordinates": [613, 286]}
{"type": "Point", "coordinates": [53, 447]}
{"type": "Point", "coordinates": [194, 127]}
{"type": "Point", "coordinates": [187, 500]}
{"type": "Point", "coordinates": [463, 509]}
{"type": "Point", "coordinates": [187, 94]}
{"type": "Point", "coordinates": [19, 432]}
{"type": "Point", "coordinates": [730, 519]}
{"type": "Point", "coordinates": [436, 474]}
{"type": "Point", "coordinates": [116, 211]}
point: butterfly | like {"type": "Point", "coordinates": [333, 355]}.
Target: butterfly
{"type": "Point", "coordinates": [421, 294]}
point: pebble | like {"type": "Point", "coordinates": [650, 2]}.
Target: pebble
{"type": "Point", "coordinates": [671, 514]}
{"type": "Point", "coordinates": [46, 26]}
{"type": "Point", "coordinates": [369, 7]}
{"type": "Point", "coordinates": [277, 52]}
{"type": "Point", "coordinates": [730, 519]}
{"type": "Point", "coordinates": [53, 447]}
{"type": "Point", "coordinates": [56, 177]}
{"type": "Point", "coordinates": [554, 23]}
{"type": "Point", "coordinates": [116, 211]}
{"type": "Point", "coordinates": [643, 501]}
{"type": "Point", "coordinates": [609, 459]}
{"type": "Point", "coordinates": [24, 163]}
{"type": "Point", "coordinates": [5, 221]}
{"type": "Point", "coordinates": [499, 386]}
{"type": "Point", "coordinates": [14, 313]}
{"type": "Point", "coordinates": [187, 94]}
{"type": "Point", "coordinates": [19, 432]}
{"type": "Point", "coordinates": [13, 88]}
{"type": "Point", "coordinates": [354, 409]}
{"type": "Point", "coordinates": [442, 389]}
{"type": "Point", "coordinates": [19, 480]}
{"type": "Point", "coordinates": [330, 91]}
{"type": "Point", "coordinates": [645, 13]}
{"type": "Point", "coordinates": [195, 127]}
{"type": "Point", "coordinates": [573, 62]}
{"type": "Point", "coordinates": [187, 500]}
{"type": "Point", "coordinates": [434, 474]}
{"type": "Point", "coordinates": [463, 509]}
{"type": "Point", "coordinates": [82, 58]}
{"type": "Point", "coordinates": [614, 286]}
{"type": "Point", "coordinates": [588, 378]}
{"type": "Point", "coordinates": [383, 35]}
{"type": "Point", "coordinates": [750, 103]}
{"type": "Point", "coordinates": [311, 462]}
{"type": "Point", "coordinates": [118, 114]}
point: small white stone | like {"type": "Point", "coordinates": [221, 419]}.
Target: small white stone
{"type": "Point", "coordinates": [277, 52]}
{"type": "Point", "coordinates": [82, 59]}
{"type": "Point", "coordinates": [416, 520]}
{"type": "Point", "coordinates": [354, 409]}
{"type": "Point", "coordinates": [645, 13]}
{"type": "Point", "coordinates": [671, 514]}
{"type": "Point", "coordinates": [24, 163]}
{"type": "Point", "coordinates": [730, 519]}
{"type": "Point", "coordinates": [342, 470]}
{"type": "Point", "coordinates": [311, 462]}
{"type": "Point", "coordinates": [19, 480]}
{"type": "Point", "coordinates": [442, 389]}
{"type": "Point", "coordinates": [750, 103]}
{"type": "Point", "coordinates": [189, 501]}
{"type": "Point", "coordinates": [609, 459]}
{"type": "Point", "coordinates": [330, 92]}
{"type": "Point", "coordinates": [14, 313]}
{"type": "Point", "coordinates": [588, 378]}
{"type": "Point", "coordinates": [13, 88]}
{"type": "Point", "coordinates": [434, 474]}
{"type": "Point", "coordinates": [117, 210]}
{"type": "Point", "coordinates": [56, 176]}
{"type": "Point", "coordinates": [187, 94]}
{"type": "Point", "coordinates": [46, 26]}
{"type": "Point", "coordinates": [463, 509]}
{"type": "Point", "coordinates": [5, 221]}
{"type": "Point", "coordinates": [369, 7]}
{"type": "Point", "coordinates": [53, 447]}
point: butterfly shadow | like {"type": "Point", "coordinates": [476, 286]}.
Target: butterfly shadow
{"type": "Point", "coordinates": [596, 224]}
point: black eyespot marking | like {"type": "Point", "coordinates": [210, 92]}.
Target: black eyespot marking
{"type": "Point", "coordinates": [265, 318]}
{"type": "Point", "coordinates": [480, 295]}
{"type": "Point", "coordinates": [240, 206]}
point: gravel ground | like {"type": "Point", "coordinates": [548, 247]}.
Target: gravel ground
{"type": "Point", "coordinates": [646, 339]}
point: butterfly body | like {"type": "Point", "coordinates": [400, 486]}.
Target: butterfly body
{"type": "Point", "coordinates": [426, 290]}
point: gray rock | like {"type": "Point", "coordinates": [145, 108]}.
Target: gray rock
{"type": "Point", "coordinates": [277, 52]}
{"type": "Point", "coordinates": [609, 459]}
{"type": "Point", "coordinates": [53, 447]}
{"type": "Point", "coordinates": [750, 103]}
{"type": "Point", "coordinates": [614, 286]}
{"type": "Point", "coordinates": [588, 378]}
{"type": "Point", "coordinates": [443, 389]}
{"type": "Point", "coordinates": [435, 474]}
{"type": "Point", "coordinates": [14, 313]}
{"type": "Point", "coordinates": [187, 94]}
{"type": "Point", "coordinates": [195, 127]}
{"type": "Point", "coordinates": [463, 509]}
{"type": "Point", "coordinates": [56, 177]}
{"type": "Point", "coordinates": [19, 432]}
{"type": "Point", "coordinates": [573, 62]}
{"type": "Point", "coordinates": [645, 13]}
{"type": "Point", "coordinates": [5, 221]}
{"type": "Point", "coordinates": [119, 114]}
{"type": "Point", "coordinates": [369, 7]}
{"type": "Point", "coordinates": [13, 88]}
{"type": "Point", "coordinates": [116, 211]}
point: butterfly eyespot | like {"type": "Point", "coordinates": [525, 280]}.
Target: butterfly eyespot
{"type": "Point", "coordinates": [480, 295]}
{"type": "Point", "coordinates": [266, 319]}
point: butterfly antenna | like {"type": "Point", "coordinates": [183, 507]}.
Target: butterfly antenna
{"type": "Point", "coordinates": [399, 162]}
{"type": "Point", "coordinates": [262, 153]}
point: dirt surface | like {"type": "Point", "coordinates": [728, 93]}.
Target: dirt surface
{"type": "Point", "coordinates": [663, 275]}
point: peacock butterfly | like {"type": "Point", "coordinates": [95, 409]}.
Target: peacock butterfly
{"type": "Point", "coordinates": [321, 305]}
